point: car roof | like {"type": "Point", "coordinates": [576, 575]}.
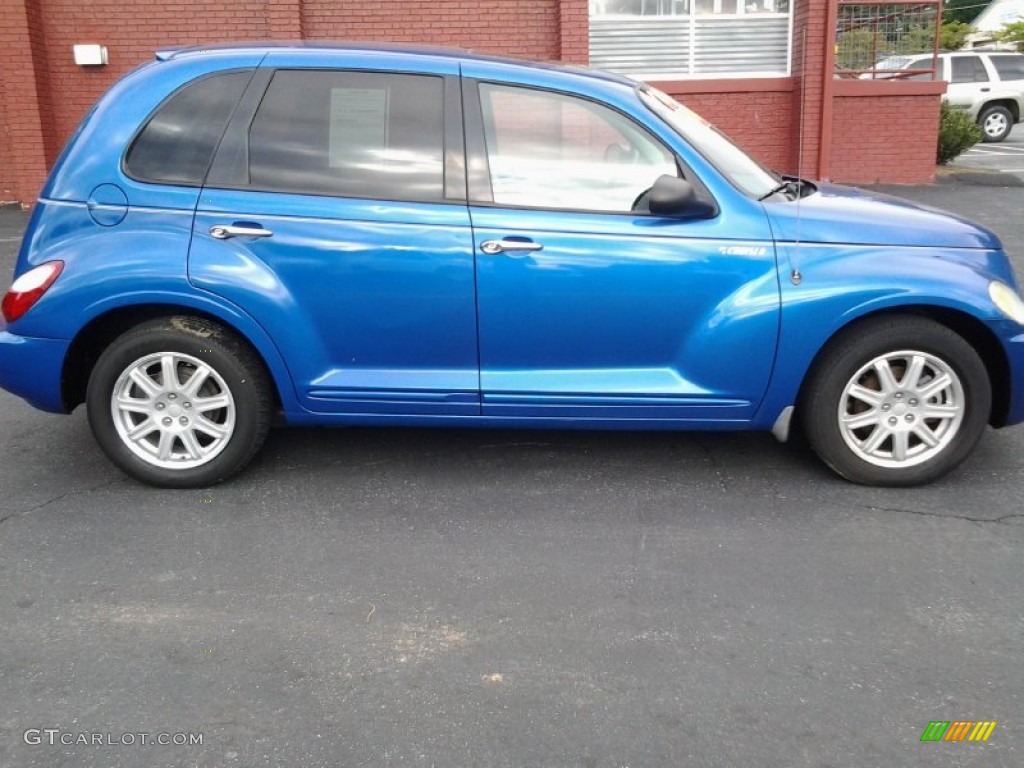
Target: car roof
{"type": "Point", "coordinates": [403, 50]}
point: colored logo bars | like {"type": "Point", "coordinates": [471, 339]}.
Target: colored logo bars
{"type": "Point", "coordinates": [959, 730]}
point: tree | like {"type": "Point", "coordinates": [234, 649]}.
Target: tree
{"type": "Point", "coordinates": [1012, 33]}
{"type": "Point", "coordinates": [953, 35]}
{"type": "Point", "coordinates": [964, 11]}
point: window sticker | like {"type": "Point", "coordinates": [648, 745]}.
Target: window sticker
{"type": "Point", "coordinates": [359, 127]}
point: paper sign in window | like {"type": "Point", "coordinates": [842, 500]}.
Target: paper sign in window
{"type": "Point", "coordinates": [359, 127]}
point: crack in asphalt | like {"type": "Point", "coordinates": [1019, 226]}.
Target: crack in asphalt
{"type": "Point", "coordinates": [922, 513]}
{"type": "Point", "coordinates": [55, 499]}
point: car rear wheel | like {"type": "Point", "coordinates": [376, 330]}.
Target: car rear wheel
{"type": "Point", "coordinates": [996, 123]}
{"type": "Point", "coordinates": [179, 402]}
{"type": "Point", "coordinates": [896, 401]}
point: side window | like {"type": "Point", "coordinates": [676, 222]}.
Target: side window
{"type": "Point", "coordinates": [922, 63]}
{"type": "Point", "coordinates": [1009, 67]}
{"type": "Point", "coordinates": [550, 150]}
{"type": "Point", "coordinates": [179, 140]}
{"type": "Point", "coordinates": [350, 134]}
{"type": "Point", "coordinates": [968, 69]}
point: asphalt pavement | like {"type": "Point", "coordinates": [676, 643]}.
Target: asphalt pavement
{"type": "Point", "coordinates": [1004, 157]}
{"type": "Point", "coordinates": [481, 598]}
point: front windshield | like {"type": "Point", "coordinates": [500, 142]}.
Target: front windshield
{"type": "Point", "coordinates": [739, 168]}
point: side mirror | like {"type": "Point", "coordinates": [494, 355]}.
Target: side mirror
{"type": "Point", "coordinates": [675, 197]}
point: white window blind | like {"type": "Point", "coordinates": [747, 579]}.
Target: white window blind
{"type": "Point", "coordinates": [691, 38]}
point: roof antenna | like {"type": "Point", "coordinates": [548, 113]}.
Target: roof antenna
{"type": "Point", "coordinates": [795, 276]}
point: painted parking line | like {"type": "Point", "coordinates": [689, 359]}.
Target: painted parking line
{"type": "Point", "coordinates": [1005, 152]}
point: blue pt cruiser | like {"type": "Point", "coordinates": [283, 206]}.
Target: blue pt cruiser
{"type": "Point", "coordinates": [390, 236]}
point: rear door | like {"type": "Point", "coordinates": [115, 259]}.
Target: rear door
{"type": "Point", "coordinates": [335, 215]}
{"type": "Point", "coordinates": [969, 81]}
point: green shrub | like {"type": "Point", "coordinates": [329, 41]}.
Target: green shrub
{"type": "Point", "coordinates": [957, 133]}
{"type": "Point", "coordinates": [954, 35]}
{"type": "Point", "coordinates": [1012, 32]}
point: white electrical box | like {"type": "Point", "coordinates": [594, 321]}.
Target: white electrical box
{"type": "Point", "coordinates": [90, 55]}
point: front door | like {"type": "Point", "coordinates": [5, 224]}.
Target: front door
{"type": "Point", "coordinates": [591, 308]}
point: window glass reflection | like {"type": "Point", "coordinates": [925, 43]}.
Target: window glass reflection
{"type": "Point", "coordinates": [352, 134]}
{"type": "Point", "coordinates": [549, 150]}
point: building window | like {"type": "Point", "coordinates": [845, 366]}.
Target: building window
{"type": "Point", "coordinates": [659, 39]}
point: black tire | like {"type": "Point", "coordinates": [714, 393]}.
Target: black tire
{"type": "Point", "coordinates": [230, 364]}
{"type": "Point", "coordinates": [996, 123]}
{"type": "Point", "coordinates": [857, 356]}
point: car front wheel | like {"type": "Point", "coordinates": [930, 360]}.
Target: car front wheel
{"type": "Point", "coordinates": [179, 402]}
{"type": "Point", "coordinates": [896, 401]}
{"type": "Point", "coordinates": [996, 123]}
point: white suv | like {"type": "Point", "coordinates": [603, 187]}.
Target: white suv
{"type": "Point", "coordinates": [987, 85]}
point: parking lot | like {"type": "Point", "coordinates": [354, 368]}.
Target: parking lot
{"type": "Point", "coordinates": [482, 598]}
{"type": "Point", "coordinates": [1005, 157]}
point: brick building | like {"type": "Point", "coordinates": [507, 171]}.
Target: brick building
{"type": "Point", "coordinates": [851, 130]}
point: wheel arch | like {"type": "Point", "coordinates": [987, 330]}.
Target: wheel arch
{"type": "Point", "coordinates": [1010, 104]}
{"type": "Point", "coordinates": [90, 341]}
{"type": "Point", "coordinates": [968, 327]}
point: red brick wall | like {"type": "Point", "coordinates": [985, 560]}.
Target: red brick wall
{"type": "Point", "coordinates": [529, 28]}
{"type": "Point", "coordinates": [132, 30]}
{"type": "Point", "coordinates": [8, 181]}
{"type": "Point", "coordinates": [761, 122]}
{"type": "Point", "coordinates": [22, 149]}
{"type": "Point", "coordinates": [574, 31]}
{"type": "Point", "coordinates": [888, 138]}
{"type": "Point", "coordinates": [812, 39]}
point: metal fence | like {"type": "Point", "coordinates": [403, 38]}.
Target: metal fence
{"type": "Point", "coordinates": [879, 39]}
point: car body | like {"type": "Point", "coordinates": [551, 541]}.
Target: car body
{"type": "Point", "coordinates": [355, 235]}
{"type": "Point", "coordinates": [988, 85]}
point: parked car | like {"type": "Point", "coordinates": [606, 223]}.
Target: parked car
{"type": "Point", "coordinates": [989, 86]}
{"type": "Point", "coordinates": [357, 236]}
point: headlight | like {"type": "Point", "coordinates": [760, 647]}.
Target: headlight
{"type": "Point", "coordinates": [1007, 300]}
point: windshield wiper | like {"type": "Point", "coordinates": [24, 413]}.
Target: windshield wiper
{"type": "Point", "coordinates": [791, 185]}
{"type": "Point", "coordinates": [782, 186]}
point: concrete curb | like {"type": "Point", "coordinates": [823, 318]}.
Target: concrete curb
{"type": "Point", "coordinates": [954, 174]}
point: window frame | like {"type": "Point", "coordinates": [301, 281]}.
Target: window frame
{"type": "Point", "coordinates": [480, 192]}
{"type": "Point", "coordinates": [230, 167]}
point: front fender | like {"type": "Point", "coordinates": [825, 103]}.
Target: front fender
{"type": "Point", "coordinates": [842, 284]}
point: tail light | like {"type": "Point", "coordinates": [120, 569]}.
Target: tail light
{"type": "Point", "coordinates": [28, 289]}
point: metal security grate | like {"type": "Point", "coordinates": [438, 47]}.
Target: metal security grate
{"type": "Point", "coordinates": [879, 39]}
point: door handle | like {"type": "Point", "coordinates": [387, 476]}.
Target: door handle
{"type": "Point", "coordinates": [985, 90]}
{"type": "Point", "coordinates": [224, 231]}
{"type": "Point", "coordinates": [494, 247]}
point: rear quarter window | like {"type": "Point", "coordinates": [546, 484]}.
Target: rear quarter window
{"type": "Point", "coordinates": [1009, 67]}
{"type": "Point", "coordinates": [177, 143]}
